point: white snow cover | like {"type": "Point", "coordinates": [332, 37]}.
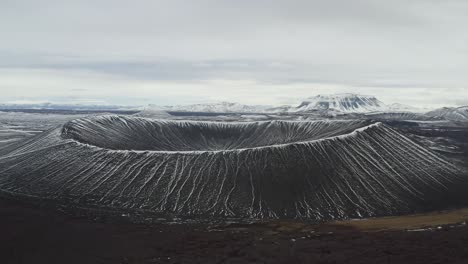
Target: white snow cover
{"type": "Point", "coordinates": [402, 108]}
{"type": "Point", "coordinates": [153, 111]}
{"type": "Point", "coordinates": [333, 104]}
{"type": "Point", "coordinates": [345, 103]}
{"type": "Point", "coordinates": [222, 107]}
{"type": "Point", "coordinates": [452, 114]}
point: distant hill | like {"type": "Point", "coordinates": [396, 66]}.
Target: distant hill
{"type": "Point", "coordinates": [451, 113]}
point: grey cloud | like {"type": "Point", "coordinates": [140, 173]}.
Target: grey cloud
{"type": "Point", "coordinates": [362, 44]}
{"type": "Point", "coordinates": [270, 72]}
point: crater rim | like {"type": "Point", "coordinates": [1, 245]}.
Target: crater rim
{"type": "Point", "coordinates": [363, 126]}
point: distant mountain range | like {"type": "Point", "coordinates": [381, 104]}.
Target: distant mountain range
{"type": "Point", "coordinates": [326, 105]}
{"type": "Point", "coordinates": [396, 107]}
{"type": "Point", "coordinates": [450, 113]}
{"type": "Point", "coordinates": [222, 107]}
{"type": "Point", "coordinates": [344, 103]}
{"type": "Point", "coordinates": [338, 103]}
{"type": "Point", "coordinates": [75, 107]}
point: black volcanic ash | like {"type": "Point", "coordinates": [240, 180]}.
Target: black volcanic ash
{"type": "Point", "coordinates": [316, 170]}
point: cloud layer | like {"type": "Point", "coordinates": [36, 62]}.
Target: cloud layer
{"type": "Point", "coordinates": [265, 52]}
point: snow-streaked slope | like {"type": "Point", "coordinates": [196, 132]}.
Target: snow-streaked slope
{"type": "Point", "coordinates": [344, 103]}
{"type": "Point", "coordinates": [452, 114]}
{"type": "Point", "coordinates": [315, 170]}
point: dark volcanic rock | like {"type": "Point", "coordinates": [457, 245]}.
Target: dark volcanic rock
{"type": "Point", "coordinates": [315, 170]}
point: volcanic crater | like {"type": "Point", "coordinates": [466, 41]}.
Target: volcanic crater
{"type": "Point", "coordinates": [142, 134]}
{"type": "Point", "coordinates": [316, 170]}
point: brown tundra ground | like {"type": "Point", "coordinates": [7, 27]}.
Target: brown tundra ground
{"type": "Point", "coordinates": [33, 234]}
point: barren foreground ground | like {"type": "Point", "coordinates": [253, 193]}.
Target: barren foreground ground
{"type": "Point", "coordinates": [31, 234]}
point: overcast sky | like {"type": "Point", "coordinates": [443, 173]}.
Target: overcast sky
{"type": "Point", "coordinates": [249, 51]}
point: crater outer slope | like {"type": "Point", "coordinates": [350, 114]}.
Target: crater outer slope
{"type": "Point", "coordinates": [316, 170]}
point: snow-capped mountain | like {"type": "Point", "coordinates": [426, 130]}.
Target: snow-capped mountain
{"type": "Point", "coordinates": [153, 111]}
{"type": "Point", "coordinates": [402, 108]}
{"type": "Point", "coordinates": [278, 109]}
{"type": "Point", "coordinates": [344, 103]}
{"type": "Point", "coordinates": [451, 113]}
{"type": "Point", "coordinates": [222, 107]}
{"type": "Point", "coordinates": [335, 104]}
